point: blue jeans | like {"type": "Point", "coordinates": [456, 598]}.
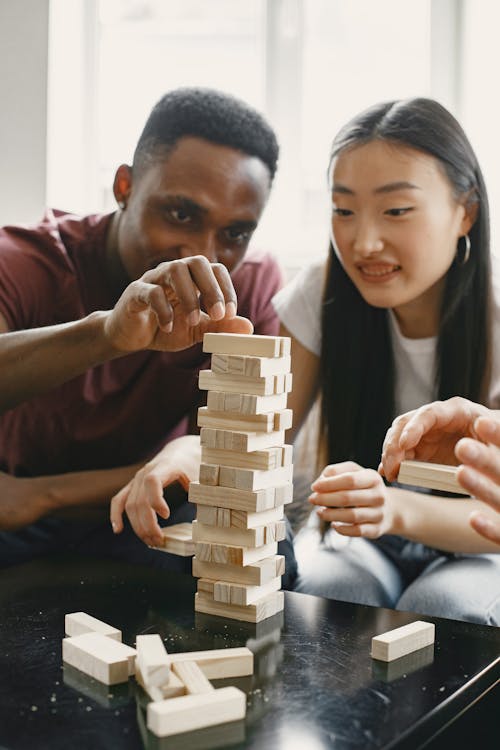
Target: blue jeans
{"type": "Point", "coordinates": [392, 572]}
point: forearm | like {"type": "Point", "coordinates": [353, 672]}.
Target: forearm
{"type": "Point", "coordinates": [35, 361]}
{"type": "Point", "coordinates": [439, 522]}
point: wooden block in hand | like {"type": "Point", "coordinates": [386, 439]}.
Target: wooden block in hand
{"type": "Point", "coordinates": [267, 386]}
{"type": "Point", "coordinates": [77, 623]}
{"type": "Point", "coordinates": [99, 656]}
{"type": "Point", "coordinates": [190, 712]}
{"type": "Point", "coordinates": [256, 574]}
{"type": "Point", "coordinates": [246, 344]}
{"type": "Point", "coordinates": [243, 442]}
{"type": "Point", "coordinates": [251, 367]}
{"type": "Point", "coordinates": [219, 663]}
{"type": "Point", "coordinates": [177, 539]}
{"type": "Point", "coordinates": [434, 476]}
{"type": "Point", "coordinates": [152, 659]}
{"type": "Point", "coordinates": [237, 593]}
{"type": "Point", "coordinates": [264, 460]}
{"type": "Point", "coordinates": [237, 519]}
{"type": "Point", "coordinates": [265, 607]}
{"type": "Point", "coordinates": [402, 641]}
{"type": "Point", "coordinates": [233, 554]}
{"type": "Point", "coordinates": [194, 680]}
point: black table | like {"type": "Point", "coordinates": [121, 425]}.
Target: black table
{"type": "Point", "coordinates": [314, 685]}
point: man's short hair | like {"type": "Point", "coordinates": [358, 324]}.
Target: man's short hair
{"type": "Point", "coordinates": [205, 113]}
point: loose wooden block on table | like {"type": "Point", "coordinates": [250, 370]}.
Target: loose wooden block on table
{"type": "Point", "coordinates": [225, 420]}
{"type": "Point", "coordinates": [264, 460]}
{"type": "Point", "coordinates": [190, 674]}
{"type": "Point", "coordinates": [238, 519]}
{"type": "Point", "coordinates": [265, 607]}
{"type": "Point", "coordinates": [249, 500]}
{"type": "Point", "coordinates": [273, 532]}
{"type": "Point", "coordinates": [245, 403]}
{"type": "Point", "coordinates": [246, 344]}
{"type": "Point", "coordinates": [243, 442]}
{"type": "Point", "coordinates": [251, 367]}
{"type": "Point", "coordinates": [219, 663]}
{"type": "Point", "coordinates": [191, 712]}
{"type": "Point", "coordinates": [99, 656]}
{"type": "Point", "coordinates": [267, 386]}
{"type": "Point", "coordinates": [402, 641]}
{"type": "Point", "coordinates": [233, 554]}
{"type": "Point", "coordinates": [152, 659]}
{"type": "Point", "coordinates": [237, 593]}
{"type": "Point", "coordinates": [256, 574]}
{"type": "Point", "coordinates": [434, 476]}
{"type": "Point", "coordinates": [171, 689]}
{"type": "Point", "coordinates": [77, 623]}
{"type": "Point", "coordinates": [177, 539]}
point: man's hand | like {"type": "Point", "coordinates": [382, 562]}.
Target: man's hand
{"type": "Point", "coordinates": [162, 309]}
{"type": "Point", "coordinates": [22, 502]}
{"type": "Point", "coordinates": [429, 434]}
{"type": "Point", "coordinates": [142, 498]}
{"type": "Point", "coordinates": [480, 473]}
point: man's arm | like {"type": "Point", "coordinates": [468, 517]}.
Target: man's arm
{"type": "Point", "coordinates": [160, 311]}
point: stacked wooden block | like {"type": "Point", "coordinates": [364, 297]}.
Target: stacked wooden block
{"type": "Point", "coordinates": [245, 477]}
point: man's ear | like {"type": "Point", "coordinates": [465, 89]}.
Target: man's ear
{"type": "Point", "coordinates": [122, 185]}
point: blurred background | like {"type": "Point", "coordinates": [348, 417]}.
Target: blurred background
{"type": "Point", "coordinates": [79, 78]}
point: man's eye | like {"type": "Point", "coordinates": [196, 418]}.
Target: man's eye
{"type": "Point", "coordinates": [238, 235]}
{"type": "Point", "coordinates": [180, 215]}
{"type": "Point", "coordinates": [399, 211]}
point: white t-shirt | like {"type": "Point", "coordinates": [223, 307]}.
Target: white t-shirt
{"type": "Point", "coordinates": [298, 306]}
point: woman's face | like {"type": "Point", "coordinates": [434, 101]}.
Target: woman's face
{"type": "Point", "coordinates": [395, 228]}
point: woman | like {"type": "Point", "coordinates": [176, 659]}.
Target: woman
{"type": "Point", "coordinates": [402, 314]}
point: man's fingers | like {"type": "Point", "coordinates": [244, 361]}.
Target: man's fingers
{"type": "Point", "coordinates": [146, 295]}
{"type": "Point", "coordinates": [485, 526]}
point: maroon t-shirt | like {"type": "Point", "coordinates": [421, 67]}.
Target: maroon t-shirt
{"type": "Point", "coordinates": [122, 411]}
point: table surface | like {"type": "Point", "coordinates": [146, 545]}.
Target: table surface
{"type": "Point", "coordinates": [314, 684]}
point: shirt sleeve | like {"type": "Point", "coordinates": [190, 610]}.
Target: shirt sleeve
{"type": "Point", "coordinates": [298, 306]}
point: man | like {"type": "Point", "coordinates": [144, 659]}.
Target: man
{"type": "Point", "coordinates": [453, 431]}
{"type": "Point", "coordinates": [201, 175]}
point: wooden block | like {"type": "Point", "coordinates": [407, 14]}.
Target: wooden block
{"type": "Point", "coordinates": [99, 656]}
{"type": "Point", "coordinates": [177, 539]}
{"type": "Point", "coordinates": [243, 442]}
{"type": "Point", "coordinates": [261, 610]}
{"type": "Point", "coordinates": [233, 554]}
{"type": "Point", "coordinates": [227, 497]}
{"type": "Point", "coordinates": [152, 660]}
{"type": "Point", "coordinates": [268, 458]}
{"type": "Point", "coordinates": [283, 420]}
{"type": "Point", "coordinates": [193, 678]}
{"type": "Point", "coordinates": [267, 386]}
{"type": "Point", "coordinates": [251, 367]}
{"type": "Point", "coordinates": [248, 345]}
{"type": "Point", "coordinates": [77, 623]}
{"type": "Point", "coordinates": [433, 476]}
{"type": "Point", "coordinates": [257, 537]}
{"type": "Point", "coordinates": [219, 663]}
{"type": "Point", "coordinates": [402, 641]}
{"type": "Point", "coordinates": [209, 474]}
{"type": "Point", "coordinates": [227, 420]}
{"type": "Point", "coordinates": [245, 403]}
{"type": "Point", "coordinates": [283, 494]}
{"type": "Point", "coordinates": [238, 519]}
{"type": "Point", "coordinates": [189, 712]}
{"type": "Point", "coordinates": [256, 574]}
{"type": "Point", "coordinates": [254, 479]}
{"type": "Point", "coordinates": [171, 689]}
{"type": "Point", "coordinates": [237, 593]}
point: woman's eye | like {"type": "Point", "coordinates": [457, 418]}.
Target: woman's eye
{"type": "Point", "coordinates": [399, 211]}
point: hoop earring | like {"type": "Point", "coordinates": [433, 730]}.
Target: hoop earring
{"type": "Point", "coordinates": [122, 205]}
{"type": "Point", "coordinates": [466, 251]}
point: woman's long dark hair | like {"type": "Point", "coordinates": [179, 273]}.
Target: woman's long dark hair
{"type": "Point", "coordinates": [357, 367]}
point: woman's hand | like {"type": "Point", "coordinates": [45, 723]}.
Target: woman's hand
{"type": "Point", "coordinates": [354, 500]}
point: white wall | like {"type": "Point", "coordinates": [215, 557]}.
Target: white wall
{"type": "Point", "coordinates": [23, 115]}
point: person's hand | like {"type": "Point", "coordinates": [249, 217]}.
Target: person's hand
{"type": "Point", "coordinates": [142, 498]}
{"type": "Point", "coordinates": [479, 473]}
{"type": "Point", "coordinates": [22, 502]}
{"type": "Point", "coordinates": [354, 500]}
{"type": "Point", "coordinates": [429, 434]}
{"type": "Point", "coordinates": [162, 309]}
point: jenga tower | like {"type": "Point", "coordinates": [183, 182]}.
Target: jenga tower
{"type": "Point", "coordinates": [245, 476]}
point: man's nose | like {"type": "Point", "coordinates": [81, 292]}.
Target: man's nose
{"type": "Point", "coordinates": [205, 244]}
